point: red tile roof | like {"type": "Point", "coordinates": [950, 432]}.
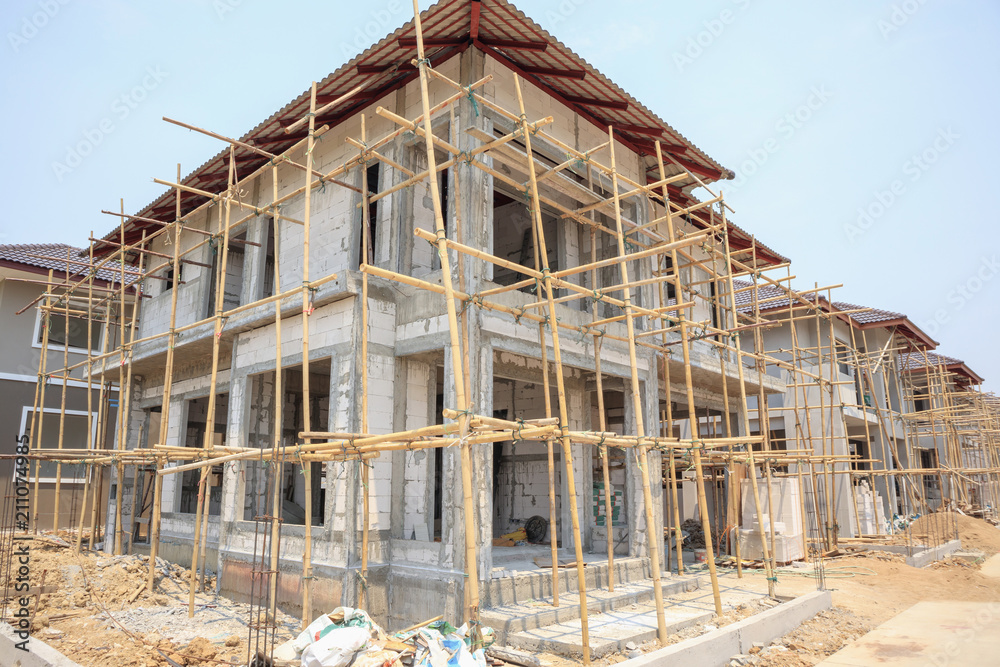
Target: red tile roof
{"type": "Point", "coordinates": [503, 33]}
{"type": "Point", "coordinates": [53, 256]}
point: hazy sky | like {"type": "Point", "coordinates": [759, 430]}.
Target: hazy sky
{"type": "Point", "coordinates": [861, 132]}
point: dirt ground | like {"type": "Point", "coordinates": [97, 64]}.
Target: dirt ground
{"type": "Point", "coordinates": [868, 590]}
{"type": "Point", "coordinates": [101, 615]}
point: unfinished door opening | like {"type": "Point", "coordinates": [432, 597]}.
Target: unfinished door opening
{"type": "Point", "coordinates": [263, 408]}
{"type": "Point", "coordinates": [521, 469]}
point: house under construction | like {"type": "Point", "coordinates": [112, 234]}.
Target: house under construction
{"type": "Point", "coordinates": [464, 286]}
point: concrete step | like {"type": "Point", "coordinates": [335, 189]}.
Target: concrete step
{"type": "Point", "coordinates": [523, 581]}
{"type": "Point", "coordinates": [611, 631]}
{"type": "Point", "coordinates": [538, 613]}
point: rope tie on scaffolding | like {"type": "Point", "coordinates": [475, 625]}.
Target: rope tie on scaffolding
{"type": "Point", "coordinates": [520, 425]}
{"type": "Point", "coordinates": [426, 62]}
{"type": "Point", "coordinates": [580, 160]}
{"type": "Point", "coordinates": [469, 95]}
{"type": "Point", "coordinates": [222, 325]}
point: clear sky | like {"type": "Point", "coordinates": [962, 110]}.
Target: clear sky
{"type": "Point", "coordinates": [860, 131]}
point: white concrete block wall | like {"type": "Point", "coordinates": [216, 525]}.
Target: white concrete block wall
{"type": "Point", "coordinates": [419, 377]}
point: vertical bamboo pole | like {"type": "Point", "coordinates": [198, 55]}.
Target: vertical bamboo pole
{"type": "Point", "coordinates": [168, 379]}
{"type": "Point", "coordinates": [689, 391]}
{"type": "Point", "coordinates": [860, 384]}
{"type": "Point", "coordinates": [675, 519]}
{"type": "Point", "coordinates": [653, 540]}
{"type": "Point", "coordinates": [800, 437]}
{"type": "Point", "coordinates": [602, 450]}
{"type": "Point", "coordinates": [550, 459]}
{"type": "Point", "coordinates": [43, 380]}
{"type": "Point", "coordinates": [306, 398]}
{"type": "Point", "coordinates": [549, 442]}
{"type": "Point", "coordinates": [88, 468]}
{"type": "Point", "coordinates": [833, 388]}
{"type": "Point", "coordinates": [560, 382]}
{"type": "Point", "coordinates": [733, 501]}
{"type": "Point", "coordinates": [137, 289]}
{"type": "Point", "coordinates": [763, 419]}
{"type": "Point", "coordinates": [461, 396]}
{"type": "Point", "coordinates": [203, 509]}
{"type": "Point", "coordinates": [102, 425]}
{"type": "Point", "coordinates": [122, 391]}
{"type": "Point", "coordinates": [765, 551]}
{"type": "Point", "coordinates": [62, 404]}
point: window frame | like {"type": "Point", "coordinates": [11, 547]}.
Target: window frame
{"type": "Point", "coordinates": [59, 347]}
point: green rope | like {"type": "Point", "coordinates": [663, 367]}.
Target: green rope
{"type": "Point", "coordinates": [472, 98]}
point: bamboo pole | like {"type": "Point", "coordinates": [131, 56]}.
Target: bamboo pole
{"type": "Point", "coordinates": [602, 451]}
{"type": "Point", "coordinates": [203, 508]}
{"type": "Point", "coordinates": [62, 405]}
{"type": "Point", "coordinates": [43, 381]}
{"type": "Point", "coordinates": [567, 453]}
{"type": "Point", "coordinates": [88, 470]}
{"type": "Point", "coordinates": [692, 414]}
{"type": "Point", "coordinates": [168, 377]}
{"type": "Point", "coordinates": [654, 539]}
{"type": "Point", "coordinates": [472, 581]}
{"type": "Point", "coordinates": [306, 398]}
{"type": "Point", "coordinates": [765, 551]}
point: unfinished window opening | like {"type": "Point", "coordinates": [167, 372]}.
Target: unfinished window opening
{"type": "Point", "coordinates": [843, 356]}
{"type": "Point", "coordinates": [267, 284]}
{"type": "Point", "coordinates": [260, 474]}
{"type": "Point", "coordinates": [168, 284]}
{"type": "Point", "coordinates": [932, 487]}
{"type": "Point", "coordinates": [859, 448]}
{"type": "Point", "coordinates": [232, 293]}
{"type": "Point", "coordinates": [514, 239]}
{"type": "Point", "coordinates": [146, 477]}
{"type": "Point", "coordinates": [373, 172]}
{"type": "Point", "coordinates": [194, 436]}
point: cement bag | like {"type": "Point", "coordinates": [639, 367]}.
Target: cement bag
{"type": "Point", "coordinates": [311, 633]}
{"type": "Point", "coordinates": [336, 648]}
